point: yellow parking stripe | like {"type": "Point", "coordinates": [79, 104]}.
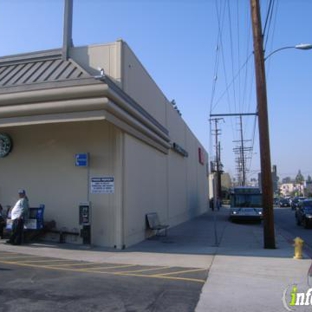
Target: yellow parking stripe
{"type": "Point", "coordinates": [125, 273]}
{"type": "Point", "coordinates": [10, 253]}
{"type": "Point", "coordinates": [41, 266]}
{"type": "Point", "coordinates": [50, 260]}
{"type": "Point", "coordinates": [75, 264]}
{"type": "Point", "coordinates": [146, 270]}
{"type": "Point", "coordinates": [164, 277]}
{"type": "Point", "coordinates": [182, 272]}
{"type": "Point", "coordinates": [105, 267]}
{"type": "Point", "coordinates": [18, 257]}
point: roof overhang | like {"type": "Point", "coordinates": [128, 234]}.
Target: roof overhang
{"type": "Point", "coordinates": [66, 93]}
{"type": "Point", "coordinates": [52, 118]}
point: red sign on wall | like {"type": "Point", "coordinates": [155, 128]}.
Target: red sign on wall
{"type": "Point", "coordinates": [201, 156]}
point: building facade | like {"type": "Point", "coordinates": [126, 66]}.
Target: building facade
{"type": "Point", "coordinates": [99, 103]}
{"type": "Point", "coordinates": [292, 189]}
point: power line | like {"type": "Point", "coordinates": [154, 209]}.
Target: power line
{"type": "Point", "coordinates": [232, 81]}
{"type": "Point", "coordinates": [268, 17]}
{"type": "Point", "coordinates": [241, 152]}
{"type": "Point", "coordinates": [237, 91]}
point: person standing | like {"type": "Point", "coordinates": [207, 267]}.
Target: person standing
{"type": "Point", "coordinates": [2, 222]}
{"type": "Point", "coordinates": [19, 214]}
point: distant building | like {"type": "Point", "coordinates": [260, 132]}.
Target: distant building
{"type": "Point", "coordinates": [226, 181]}
{"type": "Point", "coordinates": [308, 189]}
{"type": "Point", "coordinates": [226, 184]}
{"type": "Point", "coordinates": [290, 189]}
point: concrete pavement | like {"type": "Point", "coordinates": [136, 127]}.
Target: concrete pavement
{"type": "Point", "coordinates": [246, 277]}
{"type": "Point", "coordinates": [243, 276]}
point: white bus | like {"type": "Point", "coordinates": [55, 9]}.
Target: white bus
{"type": "Point", "coordinates": [246, 204]}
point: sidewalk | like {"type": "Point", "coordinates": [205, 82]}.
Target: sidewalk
{"type": "Point", "coordinates": [243, 276]}
{"type": "Point", "coordinates": [246, 277]}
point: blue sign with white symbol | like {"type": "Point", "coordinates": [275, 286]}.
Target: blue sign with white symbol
{"type": "Point", "coordinates": [82, 160]}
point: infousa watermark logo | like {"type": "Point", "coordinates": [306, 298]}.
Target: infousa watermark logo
{"type": "Point", "coordinates": [293, 298]}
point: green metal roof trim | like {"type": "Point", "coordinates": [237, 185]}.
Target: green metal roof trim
{"type": "Point", "coordinates": [34, 68]}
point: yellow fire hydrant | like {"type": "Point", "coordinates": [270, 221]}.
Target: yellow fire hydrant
{"type": "Point", "coordinates": [298, 244]}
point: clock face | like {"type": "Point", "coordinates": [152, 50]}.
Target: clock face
{"type": "Point", "coordinates": [5, 145]}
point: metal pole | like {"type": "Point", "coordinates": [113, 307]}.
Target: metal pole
{"type": "Point", "coordinates": [68, 25]}
{"type": "Point", "coordinates": [217, 193]}
{"type": "Point", "coordinates": [242, 154]}
{"type": "Point", "coordinates": [219, 175]}
{"type": "Point", "coordinates": [266, 177]}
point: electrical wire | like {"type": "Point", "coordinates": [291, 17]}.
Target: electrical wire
{"type": "Point", "coordinates": [268, 17]}
{"type": "Point", "coordinates": [228, 86]}
{"type": "Point", "coordinates": [220, 21]}
{"type": "Point", "coordinates": [218, 47]}
{"type": "Point", "coordinates": [231, 51]}
{"type": "Point", "coordinates": [253, 142]}
{"type": "Point", "coordinates": [235, 91]}
{"type": "Point", "coordinates": [271, 39]}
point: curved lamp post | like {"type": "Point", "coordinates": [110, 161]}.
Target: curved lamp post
{"type": "Point", "coordinates": [301, 46]}
{"type": "Point", "coordinates": [264, 138]}
{"type": "Point", "coordinates": [265, 157]}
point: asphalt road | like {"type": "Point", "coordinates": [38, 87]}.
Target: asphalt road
{"type": "Point", "coordinates": [32, 283]}
{"type": "Point", "coordinates": [285, 219]}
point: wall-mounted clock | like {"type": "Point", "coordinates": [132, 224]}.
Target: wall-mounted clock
{"type": "Point", "coordinates": [5, 144]}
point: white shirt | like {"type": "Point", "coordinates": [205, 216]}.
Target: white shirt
{"type": "Point", "coordinates": [19, 209]}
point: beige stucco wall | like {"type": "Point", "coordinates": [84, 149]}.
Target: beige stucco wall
{"type": "Point", "coordinates": [43, 162]}
{"type": "Point", "coordinates": [121, 64]}
{"type": "Point", "coordinates": [93, 57]}
{"type": "Point", "coordinates": [147, 179]}
{"type": "Point", "coordinates": [145, 187]}
{"type": "Point", "coordinates": [174, 186]}
{"type": "Point", "coordinates": [137, 82]}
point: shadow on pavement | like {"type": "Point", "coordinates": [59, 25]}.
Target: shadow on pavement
{"type": "Point", "coordinates": [209, 234]}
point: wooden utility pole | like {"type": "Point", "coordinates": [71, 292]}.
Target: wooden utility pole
{"type": "Point", "coordinates": [242, 149]}
{"type": "Point", "coordinates": [241, 152]}
{"type": "Point", "coordinates": [218, 166]}
{"type": "Point", "coordinates": [242, 156]}
{"type": "Point", "coordinates": [264, 139]}
{"type": "Point", "coordinates": [219, 172]}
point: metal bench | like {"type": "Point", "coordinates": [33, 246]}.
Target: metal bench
{"type": "Point", "coordinates": [154, 224]}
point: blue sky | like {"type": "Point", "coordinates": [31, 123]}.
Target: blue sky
{"type": "Point", "coordinates": [176, 41]}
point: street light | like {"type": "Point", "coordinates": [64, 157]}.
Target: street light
{"type": "Point", "coordinates": [301, 46]}
{"type": "Point", "coordinates": [264, 138]}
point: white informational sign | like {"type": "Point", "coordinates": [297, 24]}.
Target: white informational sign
{"type": "Point", "coordinates": [103, 185]}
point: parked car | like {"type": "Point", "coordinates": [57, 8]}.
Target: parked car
{"type": "Point", "coordinates": [276, 201]}
{"type": "Point", "coordinates": [284, 202]}
{"type": "Point", "coordinates": [295, 202]}
{"type": "Point", "coordinates": [304, 213]}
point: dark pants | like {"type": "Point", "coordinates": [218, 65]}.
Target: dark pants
{"type": "Point", "coordinates": [2, 226]}
{"type": "Point", "coordinates": [17, 232]}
